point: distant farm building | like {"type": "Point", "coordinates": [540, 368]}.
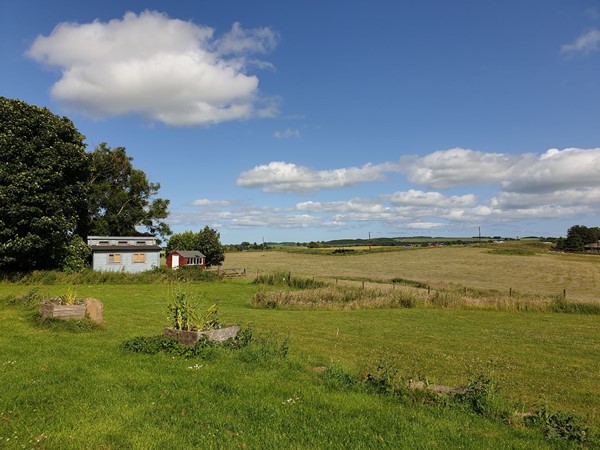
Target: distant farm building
{"type": "Point", "coordinates": [124, 253]}
{"type": "Point", "coordinates": [178, 258]}
{"type": "Point", "coordinates": [592, 248]}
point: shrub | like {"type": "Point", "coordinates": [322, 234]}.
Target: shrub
{"type": "Point", "coordinates": [337, 377]}
{"type": "Point", "coordinates": [482, 397]}
{"type": "Point", "coordinates": [559, 425]}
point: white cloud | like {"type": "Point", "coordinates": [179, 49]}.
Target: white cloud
{"type": "Point", "coordinates": [354, 205]}
{"type": "Point", "coordinates": [165, 69]}
{"type": "Point", "coordinates": [206, 202]}
{"type": "Point", "coordinates": [554, 184]}
{"type": "Point", "coordinates": [240, 41]}
{"type": "Point", "coordinates": [423, 225]}
{"type": "Point", "coordinates": [288, 133]}
{"type": "Point", "coordinates": [586, 43]}
{"type": "Point", "coordinates": [557, 170]}
{"type": "Point", "coordinates": [457, 167]}
{"type": "Point", "coordinates": [436, 199]}
{"type": "Point", "coordinates": [280, 176]}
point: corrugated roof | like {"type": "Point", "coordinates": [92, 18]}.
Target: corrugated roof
{"type": "Point", "coordinates": [114, 248]}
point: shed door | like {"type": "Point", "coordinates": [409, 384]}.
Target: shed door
{"type": "Point", "coordinates": [175, 261]}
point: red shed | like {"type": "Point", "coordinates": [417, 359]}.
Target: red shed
{"type": "Point", "coordinates": [179, 258]}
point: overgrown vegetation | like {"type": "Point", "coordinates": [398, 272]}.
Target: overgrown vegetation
{"type": "Point", "coordinates": [185, 314]}
{"type": "Point", "coordinates": [346, 297]}
{"type": "Point", "coordinates": [88, 276]}
{"type": "Point", "coordinates": [512, 252]}
{"type": "Point", "coordinates": [481, 396]}
{"type": "Point", "coordinates": [286, 279]}
{"type": "Point", "coordinates": [253, 347]}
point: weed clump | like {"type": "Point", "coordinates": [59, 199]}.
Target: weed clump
{"type": "Point", "coordinates": [560, 305]}
{"type": "Point", "coordinates": [286, 279]}
{"type": "Point", "coordinates": [252, 348]}
{"type": "Point", "coordinates": [557, 425]}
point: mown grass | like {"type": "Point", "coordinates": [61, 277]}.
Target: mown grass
{"type": "Point", "coordinates": [444, 268]}
{"type": "Point", "coordinates": [84, 390]}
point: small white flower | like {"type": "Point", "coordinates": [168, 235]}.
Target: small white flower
{"type": "Point", "coordinates": [196, 366]}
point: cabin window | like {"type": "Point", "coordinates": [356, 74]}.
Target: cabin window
{"type": "Point", "coordinates": [140, 243]}
{"type": "Point", "coordinates": [123, 242]}
{"type": "Point", "coordinates": [103, 243]}
{"type": "Point", "coordinates": [139, 257]}
{"type": "Point", "coordinates": [114, 258]}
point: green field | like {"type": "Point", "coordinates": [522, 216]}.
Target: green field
{"type": "Point", "coordinates": [66, 389]}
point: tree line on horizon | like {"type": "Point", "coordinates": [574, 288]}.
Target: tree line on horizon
{"type": "Point", "coordinates": [578, 236]}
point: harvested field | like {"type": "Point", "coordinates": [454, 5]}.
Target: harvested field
{"type": "Point", "coordinates": [441, 267]}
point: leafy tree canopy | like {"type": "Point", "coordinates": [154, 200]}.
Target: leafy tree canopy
{"type": "Point", "coordinates": [207, 241]}
{"type": "Point", "coordinates": [44, 173]}
{"type": "Point", "coordinates": [121, 197]}
{"type": "Point", "coordinates": [577, 237]}
{"type": "Point", "coordinates": [188, 240]}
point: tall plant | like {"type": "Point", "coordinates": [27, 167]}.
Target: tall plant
{"type": "Point", "coordinates": [185, 315]}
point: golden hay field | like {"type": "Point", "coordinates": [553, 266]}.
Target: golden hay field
{"type": "Point", "coordinates": [544, 273]}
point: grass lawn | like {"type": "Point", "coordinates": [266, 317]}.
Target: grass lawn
{"type": "Point", "coordinates": [83, 390]}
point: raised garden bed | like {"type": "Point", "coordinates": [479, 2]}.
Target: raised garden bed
{"type": "Point", "coordinates": [190, 337]}
{"type": "Point", "coordinates": [86, 307]}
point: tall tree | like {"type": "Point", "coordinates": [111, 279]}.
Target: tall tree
{"type": "Point", "coordinates": [44, 173]}
{"type": "Point", "coordinates": [188, 240]}
{"type": "Point", "coordinates": [580, 235]}
{"type": "Point", "coordinates": [207, 241]}
{"type": "Point", "coordinates": [122, 198]}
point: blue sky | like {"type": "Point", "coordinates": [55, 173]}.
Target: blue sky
{"type": "Point", "coordinates": [313, 120]}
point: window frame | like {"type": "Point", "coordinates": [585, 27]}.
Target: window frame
{"type": "Point", "coordinates": [114, 258]}
{"type": "Point", "coordinates": [139, 258]}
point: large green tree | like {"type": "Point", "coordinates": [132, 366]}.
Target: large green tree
{"type": "Point", "coordinates": [44, 174]}
{"type": "Point", "coordinates": [122, 198]}
{"type": "Point", "coordinates": [207, 241]}
{"type": "Point", "coordinates": [578, 236]}
{"type": "Point", "coordinates": [188, 240]}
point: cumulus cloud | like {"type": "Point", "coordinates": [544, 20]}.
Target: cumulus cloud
{"type": "Point", "coordinates": [423, 225]}
{"type": "Point", "coordinates": [281, 176]}
{"type": "Point", "coordinates": [553, 184]}
{"type": "Point", "coordinates": [354, 205]}
{"type": "Point", "coordinates": [557, 170]}
{"type": "Point", "coordinates": [419, 198]}
{"type": "Point", "coordinates": [288, 133]}
{"type": "Point", "coordinates": [457, 167]}
{"type": "Point", "coordinates": [165, 69]}
{"type": "Point", "coordinates": [588, 42]}
{"type": "Point", "coordinates": [207, 202]}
